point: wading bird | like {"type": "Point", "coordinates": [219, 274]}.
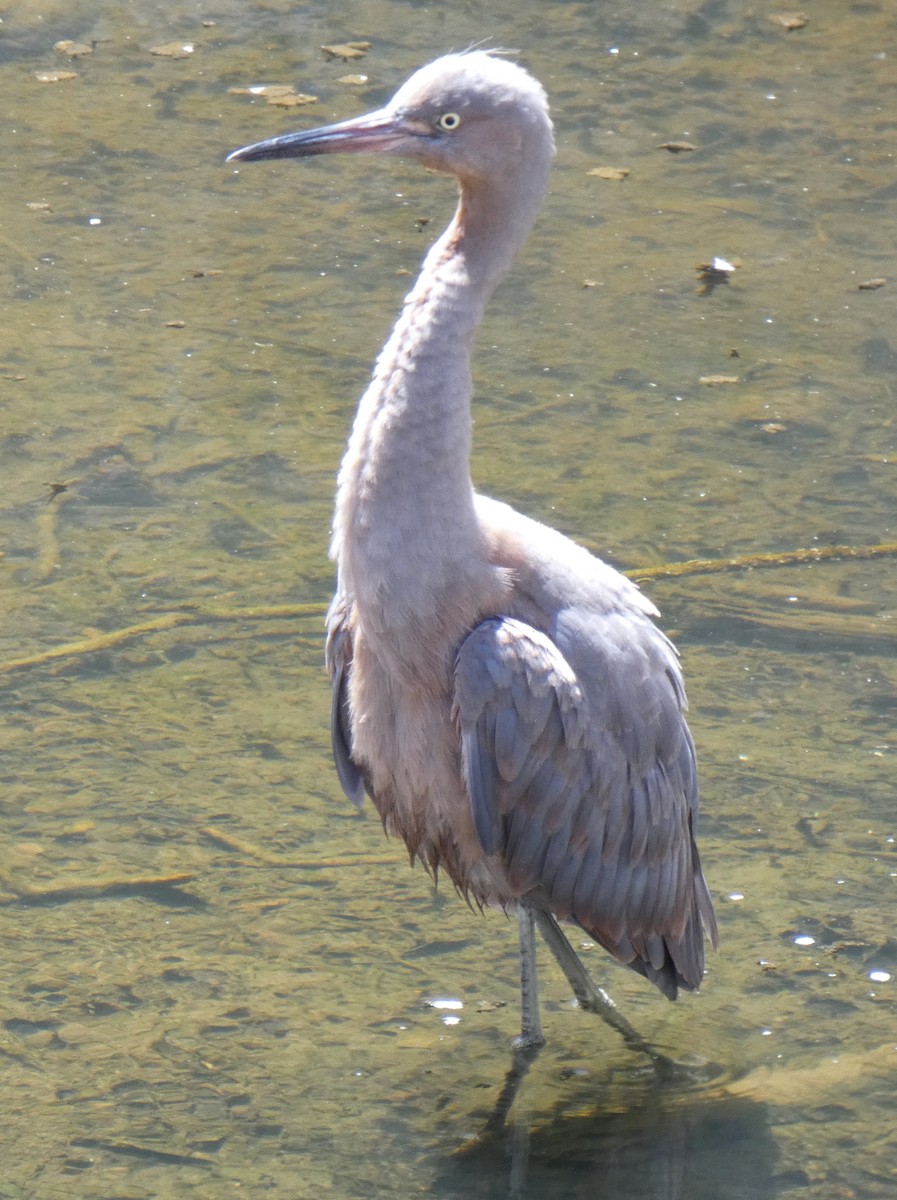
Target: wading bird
{"type": "Point", "coordinates": [502, 695]}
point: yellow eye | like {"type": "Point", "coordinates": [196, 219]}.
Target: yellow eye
{"type": "Point", "coordinates": [449, 122]}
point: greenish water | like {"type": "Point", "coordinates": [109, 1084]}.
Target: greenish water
{"type": "Point", "coordinates": [182, 348]}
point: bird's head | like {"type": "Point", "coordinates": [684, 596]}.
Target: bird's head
{"type": "Point", "coordinates": [476, 116]}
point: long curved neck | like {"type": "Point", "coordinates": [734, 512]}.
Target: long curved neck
{"type": "Point", "coordinates": [405, 530]}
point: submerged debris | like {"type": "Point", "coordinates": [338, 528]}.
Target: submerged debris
{"type": "Point", "coordinates": [292, 100]}
{"type": "Point", "coordinates": [789, 20]}
{"type": "Point", "coordinates": [615, 173]}
{"type": "Point", "coordinates": [173, 50]}
{"type": "Point", "coordinates": [72, 49]}
{"type": "Point", "coordinates": [54, 76]}
{"type": "Point", "coordinates": [347, 51]}
{"type": "Point", "coordinates": [712, 273]}
{"type": "Point", "coordinates": [283, 95]}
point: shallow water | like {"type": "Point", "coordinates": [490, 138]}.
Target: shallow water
{"type": "Point", "coordinates": [183, 344]}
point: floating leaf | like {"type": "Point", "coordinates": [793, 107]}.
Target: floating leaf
{"type": "Point", "coordinates": [714, 272]}
{"type": "Point", "coordinates": [284, 95]}
{"type": "Point", "coordinates": [73, 49]}
{"type": "Point", "coordinates": [262, 89]}
{"type": "Point", "coordinates": [292, 101]}
{"type": "Point", "coordinates": [173, 50]}
{"type": "Point", "coordinates": [54, 76]}
{"type": "Point", "coordinates": [789, 20]}
{"type": "Point", "coordinates": [716, 266]}
{"type": "Point", "coordinates": [347, 50]}
{"type": "Point", "coordinates": [677, 147]}
{"type": "Point", "coordinates": [609, 172]}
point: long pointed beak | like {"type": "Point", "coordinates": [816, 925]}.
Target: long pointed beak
{"type": "Point", "coordinates": [382, 130]}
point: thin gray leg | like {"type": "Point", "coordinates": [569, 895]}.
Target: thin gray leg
{"type": "Point", "coordinates": [591, 997]}
{"type": "Point", "coordinates": [530, 1041]}
{"type": "Point", "coordinates": [531, 1022]}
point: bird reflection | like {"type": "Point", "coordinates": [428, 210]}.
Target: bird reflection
{"type": "Point", "coordinates": [652, 1144]}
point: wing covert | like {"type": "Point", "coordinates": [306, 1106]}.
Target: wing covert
{"type": "Point", "coordinates": [586, 788]}
{"type": "Point", "coordinates": [516, 702]}
{"type": "Point", "coordinates": [338, 657]}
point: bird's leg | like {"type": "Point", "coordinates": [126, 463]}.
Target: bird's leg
{"type": "Point", "coordinates": [530, 1041]}
{"type": "Point", "coordinates": [591, 997]}
{"type": "Point", "coordinates": [531, 1023]}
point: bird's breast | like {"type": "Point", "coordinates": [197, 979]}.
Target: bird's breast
{"type": "Point", "coordinates": [405, 736]}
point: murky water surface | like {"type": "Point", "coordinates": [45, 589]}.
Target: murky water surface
{"type": "Point", "coordinates": [215, 975]}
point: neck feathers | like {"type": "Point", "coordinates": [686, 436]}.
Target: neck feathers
{"type": "Point", "coordinates": [405, 529]}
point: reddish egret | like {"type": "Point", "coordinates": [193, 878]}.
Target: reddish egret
{"type": "Point", "coordinates": [502, 695]}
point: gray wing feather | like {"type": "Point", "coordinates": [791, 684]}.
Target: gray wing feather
{"type": "Point", "coordinates": [583, 780]}
{"type": "Point", "coordinates": [479, 773]}
{"type": "Point", "coordinates": [338, 656]}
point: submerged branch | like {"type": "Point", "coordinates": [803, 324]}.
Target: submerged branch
{"type": "Point", "coordinates": [190, 1158]}
{"type": "Point", "coordinates": [251, 850]}
{"type": "Point", "coordinates": [200, 614]}
{"type": "Point", "coordinates": [748, 562]}
{"type": "Point", "coordinates": [92, 889]}
{"type": "Point", "coordinates": [194, 615]}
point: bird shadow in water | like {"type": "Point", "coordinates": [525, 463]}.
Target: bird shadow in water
{"type": "Point", "coordinates": [647, 1142]}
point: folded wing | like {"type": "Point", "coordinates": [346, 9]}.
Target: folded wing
{"type": "Point", "coordinates": [586, 787]}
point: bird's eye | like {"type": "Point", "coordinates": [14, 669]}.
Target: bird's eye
{"type": "Point", "coordinates": [449, 122]}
